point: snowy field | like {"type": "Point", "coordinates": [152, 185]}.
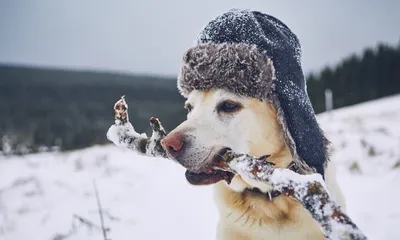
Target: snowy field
{"type": "Point", "coordinates": [50, 196]}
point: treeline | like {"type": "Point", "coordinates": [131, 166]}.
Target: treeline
{"type": "Point", "coordinates": [45, 109]}
{"type": "Point", "coordinates": [373, 74]}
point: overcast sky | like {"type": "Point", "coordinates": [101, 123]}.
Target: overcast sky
{"type": "Point", "coordinates": [148, 36]}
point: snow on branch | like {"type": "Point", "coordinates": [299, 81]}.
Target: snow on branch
{"type": "Point", "coordinates": [122, 133]}
{"type": "Point", "coordinates": [309, 190]}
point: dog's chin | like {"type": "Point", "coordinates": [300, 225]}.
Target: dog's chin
{"type": "Point", "coordinates": [209, 177]}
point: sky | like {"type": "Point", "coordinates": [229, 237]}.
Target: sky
{"type": "Point", "coordinates": [148, 36]}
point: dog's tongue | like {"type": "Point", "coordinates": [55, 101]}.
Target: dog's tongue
{"type": "Point", "coordinates": [208, 178]}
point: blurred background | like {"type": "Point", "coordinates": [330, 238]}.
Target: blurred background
{"type": "Point", "coordinates": [63, 64]}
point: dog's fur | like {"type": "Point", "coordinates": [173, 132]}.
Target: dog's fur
{"type": "Point", "coordinates": [253, 129]}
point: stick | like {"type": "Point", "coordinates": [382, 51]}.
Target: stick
{"type": "Point", "coordinates": [309, 190]}
{"type": "Point", "coordinates": [123, 134]}
{"type": "Point", "coordinates": [99, 207]}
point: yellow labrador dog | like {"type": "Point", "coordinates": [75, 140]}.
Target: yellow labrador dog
{"type": "Point", "coordinates": [218, 118]}
{"type": "Point", "coordinates": [246, 91]}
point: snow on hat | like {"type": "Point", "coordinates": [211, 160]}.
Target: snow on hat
{"type": "Point", "coordinates": [256, 55]}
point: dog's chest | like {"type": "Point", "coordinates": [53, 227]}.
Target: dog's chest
{"type": "Point", "coordinates": [250, 215]}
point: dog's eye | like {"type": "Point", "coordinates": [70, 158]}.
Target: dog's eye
{"type": "Point", "coordinates": [228, 107]}
{"type": "Point", "coordinates": [188, 107]}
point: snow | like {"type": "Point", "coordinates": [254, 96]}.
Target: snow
{"type": "Point", "coordinates": [366, 141]}
{"type": "Point", "coordinates": [115, 131]}
{"type": "Point", "coordinates": [42, 195]}
{"type": "Point", "coordinates": [280, 176]}
{"type": "Point", "coordinates": [143, 198]}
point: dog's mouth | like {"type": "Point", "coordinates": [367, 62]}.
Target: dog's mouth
{"type": "Point", "coordinates": [209, 177]}
{"type": "Point", "coordinates": [212, 174]}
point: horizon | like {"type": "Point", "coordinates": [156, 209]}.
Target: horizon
{"type": "Point", "coordinates": [171, 76]}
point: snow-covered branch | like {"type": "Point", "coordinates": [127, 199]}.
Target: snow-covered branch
{"type": "Point", "coordinates": [309, 190]}
{"type": "Point", "coordinates": [122, 133]}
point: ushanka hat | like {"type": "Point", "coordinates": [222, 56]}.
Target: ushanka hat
{"type": "Point", "coordinates": [256, 55]}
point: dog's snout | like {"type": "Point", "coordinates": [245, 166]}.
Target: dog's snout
{"type": "Point", "coordinates": [173, 144]}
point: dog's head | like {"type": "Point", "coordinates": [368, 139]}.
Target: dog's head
{"type": "Point", "coordinates": [218, 119]}
{"type": "Point", "coordinates": [241, 58]}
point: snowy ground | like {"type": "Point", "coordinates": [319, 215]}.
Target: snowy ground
{"type": "Point", "coordinates": [51, 196]}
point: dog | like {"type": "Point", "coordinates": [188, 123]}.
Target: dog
{"type": "Point", "coordinates": [246, 91]}
{"type": "Point", "coordinates": [217, 119]}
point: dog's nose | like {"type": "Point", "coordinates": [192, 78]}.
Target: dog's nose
{"type": "Point", "coordinates": [173, 144]}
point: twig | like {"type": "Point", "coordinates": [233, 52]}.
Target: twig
{"type": "Point", "coordinates": [86, 222]}
{"type": "Point", "coordinates": [74, 227]}
{"type": "Point", "coordinates": [99, 207]}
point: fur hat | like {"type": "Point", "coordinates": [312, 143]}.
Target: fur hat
{"type": "Point", "coordinates": [256, 55]}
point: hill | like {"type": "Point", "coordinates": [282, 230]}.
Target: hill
{"type": "Point", "coordinates": [51, 196]}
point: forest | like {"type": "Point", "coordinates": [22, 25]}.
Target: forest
{"type": "Point", "coordinates": [373, 74]}
{"type": "Point", "coordinates": [54, 109]}
{"type": "Point", "coordinates": [44, 109]}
